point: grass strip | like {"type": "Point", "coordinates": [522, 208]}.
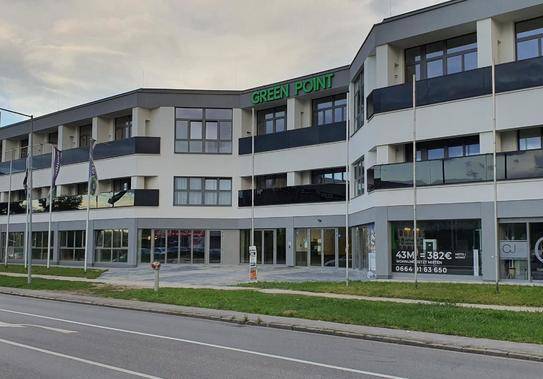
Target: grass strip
{"type": "Point", "coordinates": [439, 292]}
{"type": "Point", "coordinates": [75, 272]}
{"type": "Point", "coordinates": [444, 319]}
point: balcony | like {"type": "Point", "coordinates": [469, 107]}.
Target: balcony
{"type": "Point", "coordinates": [132, 198]}
{"type": "Point", "coordinates": [294, 138]}
{"type": "Point", "coordinates": [112, 149]}
{"type": "Point", "coordinates": [314, 193]}
{"type": "Point", "coordinates": [509, 77]}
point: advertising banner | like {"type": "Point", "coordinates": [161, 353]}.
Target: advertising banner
{"type": "Point", "coordinates": [434, 262]}
{"type": "Point", "coordinates": [514, 249]}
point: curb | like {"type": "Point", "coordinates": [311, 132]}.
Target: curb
{"type": "Point", "coordinates": [256, 320]}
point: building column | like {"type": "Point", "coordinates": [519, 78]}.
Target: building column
{"type": "Point", "coordinates": [103, 129]}
{"type": "Point", "coordinates": [298, 113]}
{"type": "Point", "coordinates": [382, 244]}
{"type": "Point", "coordinates": [495, 41]}
{"type": "Point", "coordinates": [137, 182]}
{"type": "Point", "coordinates": [389, 66]}
{"type": "Point", "coordinates": [140, 121]}
{"type": "Point", "coordinates": [132, 259]}
{"type": "Point", "coordinates": [488, 238]}
{"type": "Point", "coordinates": [290, 237]}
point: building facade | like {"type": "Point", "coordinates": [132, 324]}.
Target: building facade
{"type": "Point", "coordinates": [179, 163]}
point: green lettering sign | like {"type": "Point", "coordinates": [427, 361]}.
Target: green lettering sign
{"type": "Point", "coordinates": [282, 91]}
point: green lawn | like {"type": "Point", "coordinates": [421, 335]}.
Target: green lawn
{"type": "Point", "coordinates": [446, 319]}
{"type": "Point", "coordinates": [54, 270]}
{"type": "Point", "coordinates": [441, 292]}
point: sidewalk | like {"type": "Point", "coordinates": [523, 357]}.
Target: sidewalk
{"type": "Point", "coordinates": [135, 284]}
{"type": "Point", "coordinates": [532, 352]}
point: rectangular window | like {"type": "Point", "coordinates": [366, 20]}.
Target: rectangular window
{"type": "Point", "coordinates": [202, 191]}
{"type": "Point", "coordinates": [214, 246]}
{"type": "Point", "coordinates": [358, 176]}
{"type": "Point", "coordinates": [121, 184]}
{"type": "Point", "coordinates": [39, 246]}
{"type": "Point", "coordinates": [271, 181]}
{"type": "Point", "coordinates": [111, 245]}
{"type": "Point", "coordinates": [529, 36]}
{"type": "Point", "coordinates": [329, 110]}
{"type": "Point", "coordinates": [529, 139]}
{"type": "Point", "coordinates": [441, 58]}
{"type": "Point", "coordinates": [359, 101]}
{"type": "Point", "coordinates": [335, 175]}
{"type": "Point", "coordinates": [72, 245]}
{"type": "Point", "coordinates": [443, 149]}
{"type": "Point", "coordinates": [123, 127]}
{"type": "Point", "coordinates": [203, 130]}
{"type": "Point", "coordinates": [52, 138]}
{"type": "Point", "coordinates": [15, 245]}
{"type": "Point", "coordinates": [23, 148]}
{"type": "Point", "coordinates": [272, 120]}
{"type": "Point", "coordinates": [85, 135]}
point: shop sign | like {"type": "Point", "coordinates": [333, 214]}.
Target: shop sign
{"type": "Point", "coordinates": [514, 249]}
{"type": "Point", "coordinates": [283, 91]}
{"type": "Point", "coordinates": [434, 262]}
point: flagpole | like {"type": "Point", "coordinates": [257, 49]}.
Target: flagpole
{"type": "Point", "coordinates": [495, 178]}
{"type": "Point", "coordinates": [87, 232]}
{"type": "Point", "coordinates": [415, 247]}
{"type": "Point", "coordinates": [347, 180]}
{"type": "Point", "coordinates": [50, 206]}
{"type": "Point", "coordinates": [9, 210]}
{"type": "Point", "coordinates": [26, 212]}
{"type": "Point", "coordinates": [29, 243]}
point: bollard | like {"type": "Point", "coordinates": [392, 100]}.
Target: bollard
{"type": "Point", "coordinates": [156, 267]}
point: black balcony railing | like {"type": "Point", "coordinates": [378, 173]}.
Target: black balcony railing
{"type": "Point", "coordinates": [294, 138]}
{"type": "Point", "coordinates": [478, 82]}
{"type": "Point", "coordinates": [132, 198]}
{"type": "Point", "coordinates": [477, 168]}
{"type": "Point", "coordinates": [119, 148]}
{"type": "Point", "coordinates": [314, 193]}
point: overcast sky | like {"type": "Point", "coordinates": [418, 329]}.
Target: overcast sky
{"type": "Point", "coordinates": [57, 54]}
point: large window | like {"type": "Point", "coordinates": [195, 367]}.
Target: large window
{"type": "Point", "coordinates": [441, 58]}
{"type": "Point", "coordinates": [358, 175]}
{"type": "Point", "coordinates": [85, 135]}
{"type": "Point", "coordinates": [529, 38]}
{"type": "Point", "coordinates": [335, 175]}
{"type": "Point", "coordinates": [272, 121]}
{"type": "Point", "coordinates": [39, 246]}
{"type": "Point", "coordinates": [271, 181]}
{"type": "Point", "coordinates": [215, 246]}
{"type": "Point", "coordinates": [529, 139]}
{"type": "Point", "coordinates": [121, 184]}
{"type": "Point", "coordinates": [329, 110]}
{"type": "Point", "coordinates": [123, 127]}
{"type": "Point", "coordinates": [72, 245]}
{"type": "Point", "coordinates": [202, 191]}
{"type": "Point", "coordinates": [111, 246]}
{"type": "Point", "coordinates": [442, 149]}
{"type": "Point", "coordinates": [23, 148]}
{"type": "Point", "coordinates": [176, 246]}
{"type": "Point", "coordinates": [199, 130]}
{"type": "Point", "coordinates": [443, 246]}
{"type": "Point", "coordinates": [15, 245]}
{"type": "Point", "coordinates": [270, 246]}
{"type": "Point", "coordinates": [359, 101]}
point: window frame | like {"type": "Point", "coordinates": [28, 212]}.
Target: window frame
{"type": "Point", "coordinates": [333, 170]}
{"type": "Point", "coordinates": [111, 248]}
{"type": "Point", "coordinates": [359, 177]}
{"type": "Point", "coordinates": [359, 102]}
{"type": "Point", "coordinates": [203, 121]}
{"type": "Point", "coordinates": [333, 108]}
{"type": "Point", "coordinates": [540, 130]}
{"type": "Point", "coordinates": [73, 247]}
{"type": "Point", "coordinates": [538, 37]}
{"type": "Point", "coordinates": [123, 124]}
{"type": "Point", "coordinates": [261, 119]}
{"type": "Point", "coordinates": [203, 191]}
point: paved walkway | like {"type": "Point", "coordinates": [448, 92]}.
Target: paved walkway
{"type": "Point", "coordinates": [525, 351]}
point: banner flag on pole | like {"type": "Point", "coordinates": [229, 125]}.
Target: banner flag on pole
{"type": "Point", "coordinates": [57, 156]}
{"type": "Point", "coordinates": [93, 177]}
{"type": "Point", "coordinates": [25, 180]}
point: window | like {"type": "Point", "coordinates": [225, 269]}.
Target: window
{"type": "Point", "coordinates": [85, 135]}
{"type": "Point", "coordinates": [39, 246]}
{"type": "Point", "coordinates": [82, 188]}
{"type": "Point", "coordinates": [441, 58]}
{"type": "Point", "coordinates": [272, 120]}
{"type": "Point", "coordinates": [72, 245]}
{"type": "Point", "coordinates": [202, 191]}
{"type": "Point", "coordinates": [178, 246]}
{"type": "Point", "coordinates": [358, 176]}
{"type": "Point", "coordinates": [443, 149]}
{"type": "Point", "coordinates": [271, 181]}
{"type": "Point", "coordinates": [214, 246]}
{"type": "Point", "coordinates": [529, 39]}
{"type": "Point", "coordinates": [332, 175]}
{"type": "Point", "coordinates": [359, 101]}
{"type": "Point", "coordinates": [23, 148]}
{"type": "Point", "coordinates": [329, 110]}
{"type": "Point", "coordinates": [529, 139]}
{"type": "Point", "coordinates": [199, 130]}
{"type": "Point", "coordinates": [52, 138]}
{"type": "Point", "coordinates": [111, 246]}
{"type": "Point", "coordinates": [123, 127]}
{"type": "Point", "coordinates": [15, 244]}
{"type": "Point", "coordinates": [121, 184]}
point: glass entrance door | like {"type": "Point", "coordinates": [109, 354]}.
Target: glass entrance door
{"type": "Point", "coordinates": [267, 246]}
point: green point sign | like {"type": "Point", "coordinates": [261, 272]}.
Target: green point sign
{"type": "Point", "coordinates": [282, 91]}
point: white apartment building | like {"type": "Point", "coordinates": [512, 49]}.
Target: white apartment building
{"type": "Point", "coordinates": [185, 160]}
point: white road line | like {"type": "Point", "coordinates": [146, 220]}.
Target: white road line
{"type": "Point", "coordinates": [281, 357]}
{"type": "Point", "coordinates": [93, 363]}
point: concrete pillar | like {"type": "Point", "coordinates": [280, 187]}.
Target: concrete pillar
{"type": "Point", "coordinates": [140, 119]}
{"type": "Point", "coordinates": [382, 244]}
{"type": "Point", "coordinates": [488, 236]}
{"type": "Point", "coordinates": [133, 243]}
{"type": "Point", "coordinates": [298, 113]}
{"type": "Point", "coordinates": [68, 137]}
{"type": "Point", "coordinates": [290, 258]}
{"type": "Point", "coordinates": [495, 41]}
{"type": "Point", "coordinates": [103, 129]}
{"type": "Point", "coordinates": [385, 154]}
{"type": "Point", "coordinates": [389, 66]}
{"type": "Point", "coordinates": [137, 182]}
{"type": "Point", "coordinates": [9, 150]}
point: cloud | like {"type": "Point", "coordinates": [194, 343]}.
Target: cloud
{"type": "Point", "coordinates": [58, 54]}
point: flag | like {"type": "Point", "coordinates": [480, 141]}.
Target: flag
{"type": "Point", "coordinates": [93, 177]}
{"type": "Point", "coordinates": [25, 180]}
{"type": "Point", "coordinates": [57, 156]}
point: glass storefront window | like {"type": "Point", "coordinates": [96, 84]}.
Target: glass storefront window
{"type": "Point", "coordinates": [363, 247]}
{"type": "Point", "coordinates": [450, 247]}
{"type": "Point", "coordinates": [215, 247]}
{"type": "Point", "coordinates": [301, 246]}
{"type": "Point", "coordinates": [536, 250]}
{"type": "Point", "coordinates": [514, 250]}
{"type": "Point", "coordinates": [111, 246]}
{"type": "Point", "coordinates": [270, 245]}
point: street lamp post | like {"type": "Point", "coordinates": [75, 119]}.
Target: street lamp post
{"type": "Point", "coordinates": [28, 251]}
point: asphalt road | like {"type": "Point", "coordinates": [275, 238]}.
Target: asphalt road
{"type": "Point", "coordinates": [48, 339]}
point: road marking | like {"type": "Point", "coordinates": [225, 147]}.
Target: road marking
{"type": "Point", "coordinates": [93, 363]}
{"type": "Point", "coordinates": [63, 331]}
{"type": "Point", "coordinates": [280, 357]}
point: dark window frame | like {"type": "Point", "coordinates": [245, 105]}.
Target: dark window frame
{"type": "Point", "coordinates": [123, 127]}
{"type": "Point", "coordinates": [261, 179]}
{"type": "Point", "coordinates": [342, 98]}
{"type": "Point", "coordinates": [111, 249]}
{"type": "Point", "coordinates": [218, 191]}
{"type": "Point", "coordinates": [359, 102]}
{"type": "Point", "coordinates": [359, 179]}
{"type": "Point", "coordinates": [527, 129]}
{"type": "Point", "coordinates": [276, 116]}
{"type": "Point", "coordinates": [538, 37]}
{"type": "Point", "coordinates": [85, 138]}
{"type": "Point", "coordinates": [319, 176]}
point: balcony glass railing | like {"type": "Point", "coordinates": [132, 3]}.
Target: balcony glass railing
{"type": "Point", "coordinates": [127, 146]}
{"type": "Point", "coordinates": [137, 197]}
{"type": "Point", "coordinates": [294, 138]}
{"type": "Point", "coordinates": [314, 193]}
{"type": "Point", "coordinates": [477, 168]}
{"type": "Point", "coordinates": [509, 77]}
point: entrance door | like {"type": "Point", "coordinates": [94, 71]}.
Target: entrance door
{"type": "Point", "coordinates": [267, 246]}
